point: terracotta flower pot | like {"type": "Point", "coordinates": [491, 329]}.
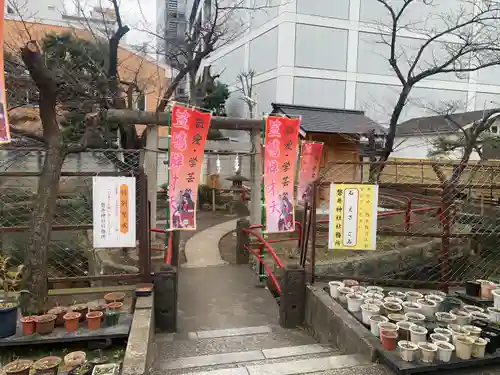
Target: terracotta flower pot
{"type": "Point", "coordinates": [389, 339]}
{"type": "Point", "coordinates": [45, 323]}
{"type": "Point", "coordinates": [94, 319]}
{"type": "Point", "coordinates": [114, 297]}
{"type": "Point", "coordinates": [18, 367]}
{"type": "Point", "coordinates": [71, 321]}
{"type": "Point", "coordinates": [80, 308]}
{"type": "Point", "coordinates": [74, 359]}
{"type": "Point", "coordinates": [115, 306]}
{"type": "Point", "coordinates": [47, 365]}
{"type": "Point", "coordinates": [29, 325]}
{"type": "Point", "coordinates": [59, 311]}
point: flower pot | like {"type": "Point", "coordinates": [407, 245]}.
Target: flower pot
{"type": "Point", "coordinates": [411, 306]}
{"type": "Point", "coordinates": [111, 318]}
{"type": "Point", "coordinates": [59, 311]}
{"type": "Point", "coordinates": [144, 290]}
{"type": "Point", "coordinates": [18, 367]}
{"type": "Point", "coordinates": [376, 302]}
{"type": "Point", "coordinates": [94, 319]}
{"type": "Point", "coordinates": [415, 317]}
{"type": "Point", "coordinates": [473, 288]}
{"type": "Point", "coordinates": [45, 324]}
{"type": "Point", "coordinates": [408, 351]}
{"type": "Point", "coordinates": [444, 318]}
{"type": "Point", "coordinates": [334, 286]}
{"type": "Point", "coordinates": [395, 318]}
{"type": "Point", "coordinates": [429, 307]}
{"type": "Point", "coordinates": [376, 289]}
{"type": "Point", "coordinates": [74, 359]}
{"type": "Point", "coordinates": [116, 306]}
{"type": "Point", "coordinates": [464, 346]}
{"type": "Point", "coordinates": [375, 320]}
{"type": "Point", "coordinates": [472, 308]}
{"type": "Point", "coordinates": [8, 317]}
{"type": "Point", "coordinates": [496, 298]}
{"type": "Point", "coordinates": [393, 300]}
{"type": "Point", "coordinates": [84, 369]}
{"type": "Point", "coordinates": [389, 339]}
{"type": "Point", "coordinates": [418, 334]}
{"type": "Point", "coordinates": [494, 315]}
{"type": "Point", "coordinates": [456, 331]}
{"type": "Point", "coordinates": [481, 316]}
{"type": "Point", "coordinates": [114, 297]}
{"type": "Point", "coordinates": [479, 347]}
{"type": "Point", "coordinates": [450, 303]}
{"type": "Point", "coordinates": [71, 320]}
{"type": "Point", "coordinates": [435, 337]}
{"type": "Point", "coordinates": [392, 308]}
{"type": "Point", "coordinates": [107, 369]}
{"type": "Point", "coordinates": [435, 298]}
{"type": "Point", "coordinates": [395, 293]}
{"type": "Point", "coordinates": [493, 339]}
{"type": "Point", "coordinates": [81, 309]}
{"type": "Point", "coordinates": [404, 330]}
{"type": "Point", "coordinates": [354, 302]}
{"type": "Point", "coordinates": [445, 332]}
{"type": "Point", "coordinates": [373, 295]}
{"type": "Point", "coordinates": [445, 350]}
{"type": "Point", "coordinates": [359, 289]}
{"type": "Point", "coordinates": [101, 308]}
{"type": "Point", "coordinates": [411, 295]}
{"type": "Point", "coordinates": [472, 330]}
{"type": "Point", "coordinates": [387, 327]}
{"type": "Point", "coordinates": [47, 365]}
{"type": "Point", "coordinates": [350, 283]}
{"type": "Point", "coordinates": [368, 310]}
{"type": "Point", "coordinates": [343, 292]}
{"type": "Point", "coordinates": [427, 352]}
{"type": "Point", "coordinates": [29, 325]}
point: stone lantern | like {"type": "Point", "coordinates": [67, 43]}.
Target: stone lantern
{"type": "Point", "coordinates": [238, 204]}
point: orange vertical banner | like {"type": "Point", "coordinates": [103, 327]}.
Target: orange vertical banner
{"type": "Point", "coordinates": [280, 159]}
{"type": "Point", "coordinates": [310, 158]}
{"type": "Point", "coordinates": [4, 123]}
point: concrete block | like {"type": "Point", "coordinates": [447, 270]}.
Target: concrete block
{"type": "Point", "coordinates": [165, 300]}
{"type": "Point", "coordinates": [292, 298]}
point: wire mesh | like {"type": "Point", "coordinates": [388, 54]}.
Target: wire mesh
{"type": "Point", "coordinates": [71, 252]}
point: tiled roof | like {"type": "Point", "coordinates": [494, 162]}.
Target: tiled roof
{"type": "Point", "coordinates": [329, 120]}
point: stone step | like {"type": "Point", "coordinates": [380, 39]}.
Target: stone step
{"type": "Point", "coordinates": [177, 345]}
{"type": "Point", "coordinates": [373, 369]}
{"type": "Point", "coordinates": [287, 366]}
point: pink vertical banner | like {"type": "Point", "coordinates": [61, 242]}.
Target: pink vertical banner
{"type": "Point", "coordinates": [280, 155]}
{"type": "Point", "coordinates": [188, 134]}
{"type": "Point", "coordinates": [309, 169]}
{"type": "Point", "coordinates": [4, 121]}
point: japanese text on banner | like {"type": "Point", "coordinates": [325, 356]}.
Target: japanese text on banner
{"type": "Point", "coordinates": [353, 217]}
{"type": "Point", "coordinates": [4, 123]}
{"type": "Point", "coordinates": [188, 134]}
{"type": "Point", "coordinates": [280, 155]}
{"type": "Point", "coordinates": [309, 168]}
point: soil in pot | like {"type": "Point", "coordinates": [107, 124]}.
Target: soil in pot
{"type": "Point", "coordinates": [82, 309]}
{"type": "Point", "coordinates": [350, 283]}
{"type": "Point", "coordinates": [387, 327]}
{"type": "Point", "coordinates": [115, 306]}
{"type": "Point", "coordinates": [84, 369]}
{"type": "Point", "coordinates": [408, 351]}
{"type": "Point", "coordinates": [472, 330]}
{"type": "Point", "coordinates": [472, 308]}
{"type": "Point", "coordinates": [445, 332]}
{"type": "Point", "coordinates": [45, 324]}
{"type": "Point", "coordinates": [375, 320]}
{"type": "Point", "coordinates": [376, 289]}
{"type": "Point", "coordinates": [47, 365]}
{"type": "Point", "coordinates": [404, 330]}
{"type": "Point", "coordinates": [71, 321]}
{"type": "Point", "coordinates": [436, 337]}
{"type": "Point", "coordinates": [94, 319]}
{"type": "Point", "coordinates": [415, 317]}
{"type": "Point", "coordinates": [8, 317]}
{"type": "Point", "coordinates": [29, 325]}
{"type": "Point", "coordinates": [463, 317]}
{"type": "Point", "coordinates": [445, 350]}
{"type": "Point", "coordinates": [107, 369]}
{"type": "Point", "coordinates": [464, 346]}
{"type": "Point", "coordinates": [343, 292]}
{"type": "Point", "coordinates": [411, 306]}
{"type": "Point", "coordinates": [413, 296]}
{"type": "Point", "coordinates": [395, 318]}
{"type": "Point", "coordinates": [429, 308]}
{"type": "Point", "coordinates": [393, 300]}
{"type": "Point", "coordinates": [74, 359]}
{"type": "Point", "coordinates": [18, 367]}
{"type": "Point", "coordinates": [444, 318]}
{"type": "Point", "coordinates": [394, 293]}
{"type": "Point", "coordinates": [59, 311]}
{"type": "Point", "coordinates": [428, 352]}
{"type": "Point", "coordinates": [392, 308]}
{"type": "Point", "coordinates": [114, 297]}
{"type": "Point", "coordinates": [389, 339]}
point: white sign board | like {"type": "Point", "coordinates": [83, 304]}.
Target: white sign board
{"type": "Point", "coordinates": [114, 211]}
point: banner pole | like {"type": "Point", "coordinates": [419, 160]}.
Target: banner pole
{"type": "Point", "coordinates": [168, 237]}
{"type": "Point", "coordinates": [262, 272]}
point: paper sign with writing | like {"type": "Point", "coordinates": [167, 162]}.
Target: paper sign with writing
{"type": "Point", "coordinates": [114, 219]}
{"type": "Point", "coordinates": [280, 155]}
{"type": "Point", "coordinates": [353, 217]}
{"type": "Point", "coordinates": [188, 134]}
{"type": "Point", "coordinates": [310, 158]}
{"type": "Point", "coordinates": [4, 123]}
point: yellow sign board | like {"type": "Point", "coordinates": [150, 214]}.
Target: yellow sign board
{"type": "Point", "coordinates": [353, 217]}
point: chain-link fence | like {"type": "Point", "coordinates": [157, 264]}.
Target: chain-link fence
{"type": "Point", "coordinates": [71, 252]}
{"type": "Point", "coordinates": [437, 222]}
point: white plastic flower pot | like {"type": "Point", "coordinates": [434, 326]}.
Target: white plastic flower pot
{"type": "Point", "coordinates": [376, 289]}
{"type": "Point", "coordinates": [334, 288]}
{"type": "Point", "coordinates": [412, 306]}
{"type": "Point", "coordinates": [463, 317]}
{"type": "Point", "coordinates": [359, 289]}
{"type": "Point", "coordinates": [367, 311]}
{"type": "Point", "coordinates": [456, 331]}
{"type": "Point", "coordinates": [343, 292]}
{"type": "Point", "coordinates": [415, 317]}
{"type": "Point", "coordinates": [395, 318]}
{"type": "Point", "coordinates": [494, 315]}
{"type": "Point", "coordinates": [354, 302]}
{"type": "Point", "coordinates": [479, 347]}
{"type": "Point", "coordinates": [472, 330]}
{"type": "Point", "coordinates": [427, 352]}
{"type": "Point", "coordinates": [436, 337]}
{"type": "Point", "coordinates": [444, 318]}
{"type": "Point", "coordinates": [472, 308]}
{"type": "Point", "coordinates": [350, 283]}
{"type": "Point", "coordinates": [408, 351]}
{"type": "Point", "coordinates": [412, 295]}
{"type": "Point", "coordinates": [373, 295]}
{"type": "Point", "coordinates": [476, 315]}
{"type": "Point", "coordinates": [444, 350]}
{"type": "Point", "coordinates": [464, 347]}
{"type": "Point", "coordinates": [375, 320]}
{"type": "Point", "coordinates": [392, 308]}
{"type": "Point", "coordinates": [418, 334]}
{"type": "Point", "coordinates": [496, 298]}
{"type": "Point", "coordinates": [445, 332]}
{"type": "Point", "coordinates": [397, 294]}
{"type": "Point", "coordinates": [393, 300]}
{"type": "Point", "coordinates": [429, 307]}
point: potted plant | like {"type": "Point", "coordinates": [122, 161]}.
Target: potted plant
{"type": "Point", "coordinates": [59, 311]}
{"type": "Point", "coordinates": [8, 306]}
{"type": "Point", "coordinates": [18, 367]}
{"type": "Point", "coordinates": [71, 320]}
{"type": "Point", "coordinates": [81, 308]}
{"type": "Point", "coordinates": [47, 365]}
{"type": "Point", "coordinates": [107, 369]}
{"type": "Point", "coordinates": [45, 324]}
{"type": "Point", "coordinates": [29, 325]}
{"type": "Point", "coordinates": [94, 319]}
{"type": "Point", "coordinates": [83, 369]}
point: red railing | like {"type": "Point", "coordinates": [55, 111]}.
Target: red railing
{"type": "Point", "coordinates": [168, 256]}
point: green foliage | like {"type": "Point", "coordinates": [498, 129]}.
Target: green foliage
{"type": "Point", "coordinates": [216, 98]}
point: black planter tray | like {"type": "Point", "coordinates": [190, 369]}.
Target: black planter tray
{"type": "Point", "coordinates": [474, 300]}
